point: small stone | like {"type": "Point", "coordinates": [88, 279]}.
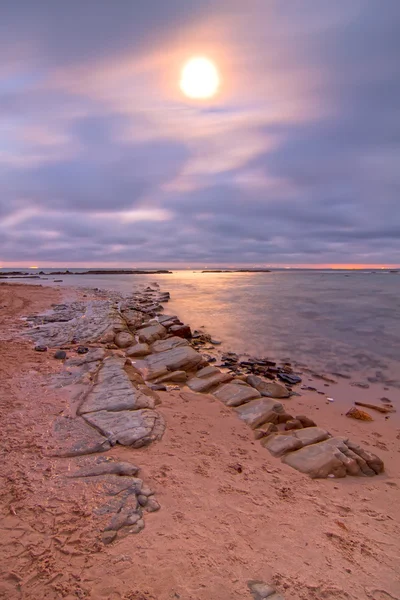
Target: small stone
{"type": "Point", "coordinates": [291, 378]}
{"type": "Point", "coordinates": [293, 424]}
{"type": "Point", "coordinates": [138, 350]}
{"type": "Point", "coordinates": [305, 421]}
{"type": "Point", "coordinates": [260, 590]}
{"type": "Point", "coordinates": [108, 537]}
{"type": "Point", "coordinates": [41, 348]}
{"type": "Point", "coordinates": [138, 527]}
{"type": "Point", "coordinates": [264, 430]}
{"type": "Point", "coordinates": [82, 350]}
{"type": "Point", "coordinates": [142, 499]}
{"type": "Point", "coordinates": [60, 355]}
{"type": "Point", "coordinates": [361, 415]}
{"type": "Point", "coordinates": [215, 342]}
{"type": "Point", "coordinates": [124, 339]}
{"type": "Point", "coordinates": [152, 505]}
{"type": "Point", "coordinates": [158, 387]}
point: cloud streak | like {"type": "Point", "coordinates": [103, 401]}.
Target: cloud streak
{"type": "Point", "coordinates": [295, 162]}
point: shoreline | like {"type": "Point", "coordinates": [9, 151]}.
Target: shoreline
{"type": "Point", "coordinates": [277, 474]}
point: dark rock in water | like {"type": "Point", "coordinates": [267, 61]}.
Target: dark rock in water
{"type": "Point", "coordinates": [82, 350]}
{"type": "Point", "coordinates": [182, 331]}
{"type": "Point", "coordinates": [41, 348]}
{"type": "Point", "coordinates": [60, 355]}
{"type": "Point", "coordinates": [290, 378]}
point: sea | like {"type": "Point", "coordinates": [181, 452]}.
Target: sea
{"type": "Point", "coordinates": [327, 320]}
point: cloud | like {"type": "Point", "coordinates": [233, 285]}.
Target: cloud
{"type": "Point", "coordinates": [296, 161]}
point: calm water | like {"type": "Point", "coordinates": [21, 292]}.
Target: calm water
{"type": "Point", "coordinates": [328, 319]}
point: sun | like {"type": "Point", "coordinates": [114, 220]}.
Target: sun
{"type": "Point", "coordinates": [199, 78]}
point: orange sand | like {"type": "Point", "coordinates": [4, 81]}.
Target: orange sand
{"type": "Point", "coordinates": [230, 512]}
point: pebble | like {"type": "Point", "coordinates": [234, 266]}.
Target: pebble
{"type": "Point", "coordinates": [41, 348]}
{"type": "Point", "coordinates": [82, 350]}
{"type": "Point", "coordinates": [60, 354]}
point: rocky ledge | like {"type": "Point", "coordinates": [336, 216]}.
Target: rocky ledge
{"type": "Point", "coordinates": [118, 351]}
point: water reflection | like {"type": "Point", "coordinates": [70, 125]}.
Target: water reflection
{"type": "Point", "coordinates": [327, 319]}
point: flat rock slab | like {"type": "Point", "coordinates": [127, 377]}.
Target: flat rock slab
{"type": "Point", "coordinates": [259, 411]}
{"type": "Point", "coordinates": [114, 391]}
{"type": "Point", "coordinates": [152, 333]}
{"type": "Point", "coordinates": [233, 394]}
{"type": "Point", "coordinates": [203, 384]}
{"type": "Point", "coordinates": [269, 389]}
{"type": "Point", "coordinates": [168, 344]}
{"type": "Point", "coordinates": [79, 321]}
{"type": "Point", "coordinates": [177, 359]}
{"type": "Point", "coordinates": [138, 350]}
{"type": "Point", "coordinates": [75, 437]}
{"type": "Point", "coordinates": [207, 371]}
{"type": "Point", "coordinates": [335, 457]}
{"type": "Point", "coordinates": [129, 428]}
{"type": "Point", "coordinates": [281, 444]}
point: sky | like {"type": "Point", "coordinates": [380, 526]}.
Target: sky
{"type": "Point", "coordinates": [103, 160]}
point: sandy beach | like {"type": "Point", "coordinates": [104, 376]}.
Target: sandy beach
{"type": "Point", "coordinates": [230, 511]}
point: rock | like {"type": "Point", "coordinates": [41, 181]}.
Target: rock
{"type": "Point", "coordinates": [233, 394]}
{"type": "Point", "coordinates": [142, 499]}
{"type": "Point", "coordinates": [267, 388]}
{"type": "Point", "coordinates": [82, 350]}
{"type": "Point", "coordinates": [129, 428]}
{"type": "Point", "coordinates": [284, 418]}
{"type": "Point", "coordinates": [363, 386]}
{"type": "Point", "coordinates": [152, 505]}
{"type": "Point", "coordinates": [305, 421]}
{"type": "Point", "coordinates": [259, 411]}
{"type": "Point", "coordinates": [60, 354]}
{"type": "Point", "coordinates": [168, 344]}
{"type": "Point", "coordinates": [124, 339]}
{"type": "Point", "coordinates": [75, 438]}
{"type": "Point", "coordinates": [289, 378]}
{"type": "Point", "coordinates": [182, 331]}
{"type": "Point", "coordinates": [108, 537]}
{"type": "Point", "coordinates": [152, 333]}
{"type": "Point", "coordinates": [280, 444]}
{"type": "Point", "coordinates": [381, 409]}
{"type": "Point", "coordinates": [106, 468]}
{"type": "Point", "coordinates": [260, 591]}
{"type": "Point", "coordinates": [174, 376]}
{"type": "Point", "coordinates": [107, 337]}
{"type": "Point", "coordinates": [40, 348]}
{"type": "Point", "coordinates": [204, 384]}
{"type": "Point", "coordinates": [158, 387]}
{"type": "Point", "coordinates": [179, 358]}
{"type": "Point", "coordinates": [215, 342]}
{"type": "Point", "coordinates": [207, 372]}
{"type": "Point", "coordinates": [114, 391]}
{"type": "Point", "coordinates": [293, 424]}
{"type": "Point", "coordinates": [264, 430]}
{"type": "Point", "coordinates": [334, 457]}
{"type": "Point", "coordinates": [361, 415]}
{"type": "Point", "coordinates": [138, 350]}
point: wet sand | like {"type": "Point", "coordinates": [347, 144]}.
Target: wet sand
{"type": "Point", "coordinates": [230, 512]}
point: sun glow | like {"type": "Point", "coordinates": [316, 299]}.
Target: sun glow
{"type": "Point", "coordinates": [199, 78]}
